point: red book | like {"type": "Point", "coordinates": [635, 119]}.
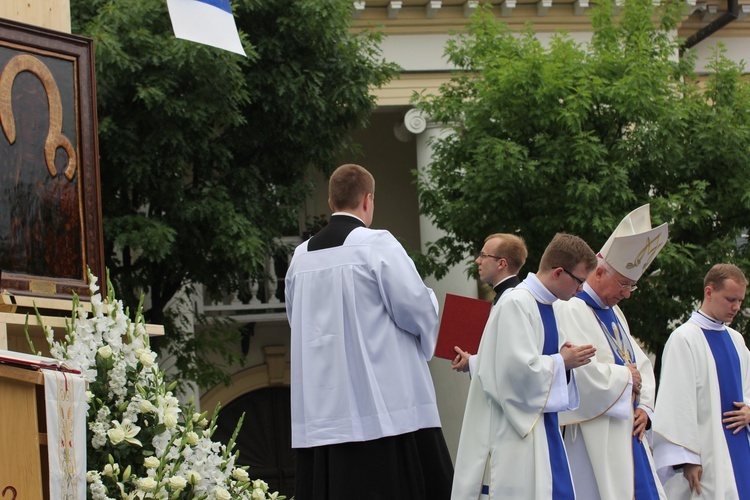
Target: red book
{"type": "Point", "coordinates": [461, 325]}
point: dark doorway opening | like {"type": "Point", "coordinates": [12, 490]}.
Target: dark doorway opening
{"type": "Point", "coordinates": [265, 440]}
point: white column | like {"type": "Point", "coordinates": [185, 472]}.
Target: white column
{"type": "Point", "coordinates": [427, 130]}
{"type": "Point", "coordinates": [451, 387]}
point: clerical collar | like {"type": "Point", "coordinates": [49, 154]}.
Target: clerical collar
{"type": "Point", "coordinates": [594, 296]}
{"type": "Point", "coordinates": [706, 321]}
{"type": "Point", "coordinates": [348, 214]}
{"type": "Point", "coordinates": [537, 289]}
{"type": "Point", "coordinates": [503, 280]}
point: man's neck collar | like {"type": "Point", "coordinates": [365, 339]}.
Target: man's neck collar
{"type": "Point", "coordinates": [504, 280]}
{"type": "Point", "coordinates": [348, 214]}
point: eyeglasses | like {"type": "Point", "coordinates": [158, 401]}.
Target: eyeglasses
{"type": "Point", "coordinates": [483, 255]}
{"type": "Point", "coordinates": [632, 288]}
{"type": "Point", "coordinates": [578, 280]}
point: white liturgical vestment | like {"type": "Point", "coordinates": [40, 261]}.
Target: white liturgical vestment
{"type": "Point", "coordinates": [364, 375]}
{"type": "Point", "coordinates": [513, 387]}
{"type": "Point", "coordinates": [599, 434]}
{"type": "Point", "coordinates": [688, 416]}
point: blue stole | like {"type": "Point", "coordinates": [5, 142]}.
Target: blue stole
{"type": "Point", "coordinates": [730, 389]}
{"type": "Point", "coordinates": [645, 485]}
{"type": "Point", "coordinates": [562, 484]}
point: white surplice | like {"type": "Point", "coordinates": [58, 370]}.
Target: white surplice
{"type": "Point", "coordinates": [359, 366]}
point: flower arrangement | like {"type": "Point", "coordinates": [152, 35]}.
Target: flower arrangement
{"type": "Point", "coordinates": [141, 442]}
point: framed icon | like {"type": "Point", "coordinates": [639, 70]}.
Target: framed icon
{"type": "Point", "coordinates": [50, 201]}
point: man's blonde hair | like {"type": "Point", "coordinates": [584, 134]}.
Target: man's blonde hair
{"type": "Point", "coordinates": [719, 273]}
{"type": "Point", "coordinates": [512, 248]}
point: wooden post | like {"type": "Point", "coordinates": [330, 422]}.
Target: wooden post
{"type": "Point", "coordinates": [51, 14]}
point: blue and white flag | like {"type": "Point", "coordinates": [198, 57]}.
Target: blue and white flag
{"type": "Point", "coordinates": [209, 22]}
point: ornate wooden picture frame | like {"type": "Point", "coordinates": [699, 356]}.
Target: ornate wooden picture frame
{"type": "Point", "coordinates": [50, 201]}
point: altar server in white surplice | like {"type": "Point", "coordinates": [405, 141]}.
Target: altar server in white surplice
{"type": "Point", "coordinates": [701, 419]}
{"type": "Point", "coordinates": [605, 437]}
{"type": "Point", "coordinates": [365, 422]}
{"type": "Point", "coordinates": [520, 384]}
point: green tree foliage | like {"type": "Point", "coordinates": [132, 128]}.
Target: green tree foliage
{"type": "Point", "coordinates": [204, 153]}
{"type": "Point", "coordinates": [571, 137]}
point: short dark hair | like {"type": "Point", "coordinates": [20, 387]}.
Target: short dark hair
{"type": "Point", "coordinates": [348, 185]}
{"type": "Point", "coordinates": [567, 251]}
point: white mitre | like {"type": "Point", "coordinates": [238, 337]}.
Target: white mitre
{"type": "Point", "coordinates": [633, 244]}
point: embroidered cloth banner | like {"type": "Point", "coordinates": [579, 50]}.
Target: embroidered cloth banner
{"type": "Point", "coordinates": [65, 399]}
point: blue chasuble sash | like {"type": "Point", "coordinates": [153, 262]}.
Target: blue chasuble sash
{"type": "Point", "coordinates": [645, 484]}
{"type": "Point", "coordinates": [730, 389]}
{"type": "Point", "coordinates": [562, 484]}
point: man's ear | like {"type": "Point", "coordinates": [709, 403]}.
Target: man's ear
{"type": "Point", "coordinates": [330, 205]}
{"type": "Point", "coordinates": [366, 201]}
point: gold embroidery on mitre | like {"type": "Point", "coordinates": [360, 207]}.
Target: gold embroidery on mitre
{"type": "Point", "coordinates": [647, 253]}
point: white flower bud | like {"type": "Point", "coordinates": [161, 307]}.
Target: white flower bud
{"type": "Point", "coordinates": [111, 470]}
{"type": "Point", "coordinates": [151, 462]}
{"type": "Point", "coordinates": [192, 438]}
{"type": "Point", "coordinates": [221, 494]}
{"type": "Point", "coordinates": [105, 352]}
{"type": "Point", "coordinates": [147, 483]}
{"type": "Point", "coordinates": [116, 435]}
{"type": "Point", "coordinates": [177, 483]}
{"type": "Point", "coordinates": [170, 420]}
{"type": "Point", "coordinates": [193, 477]}
{"type": "Point", "coordinates": [240, 475]}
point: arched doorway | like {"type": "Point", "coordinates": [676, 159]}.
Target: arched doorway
{"type": "Point", "coordinates": [265, 439]}
{"type": "Point", "coordinates": [262, 393]}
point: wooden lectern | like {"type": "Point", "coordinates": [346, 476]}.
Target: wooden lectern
{"type": "Point", "coordinates": [23, 435]}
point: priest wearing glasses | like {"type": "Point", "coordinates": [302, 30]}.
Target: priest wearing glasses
{"type": "Point", "coordinates": [510, 445]}
{"type": "Point", "coordinates": [502, 256]}
{"type": "Point", "coordinates": [606, 436]}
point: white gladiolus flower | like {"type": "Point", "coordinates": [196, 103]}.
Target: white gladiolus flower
{"type": "Point", "coordinates": [128, 394]}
